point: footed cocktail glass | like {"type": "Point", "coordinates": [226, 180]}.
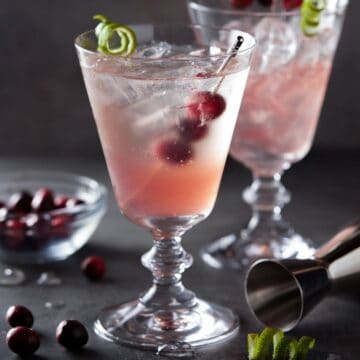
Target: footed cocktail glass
{"type": "Point", "coordinates": [165, 117]}
{"type": "Point", "coordinates": [278, 119]}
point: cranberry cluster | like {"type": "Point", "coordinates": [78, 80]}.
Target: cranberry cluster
{"type": "Point", "coordinates": [288, 4]}
{"type": "Point", "coordinates": [23, 340]}
{"type": "Point", "coordinates": [25, 221]}
{"type": "Point", "coordinates": [202, 107]}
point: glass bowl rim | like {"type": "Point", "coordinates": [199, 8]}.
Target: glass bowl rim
{"type": "Point", "coordinates": [178, 59]}
{"type": "Point", "coordinates": [79, 181]}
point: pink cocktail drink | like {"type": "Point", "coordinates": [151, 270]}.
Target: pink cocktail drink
{"type": "Point", "coordinates": [279, 116]}
{"type": "Point", "coordinates": [164, 162]}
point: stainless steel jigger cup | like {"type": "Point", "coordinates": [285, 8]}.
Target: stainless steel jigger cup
{"type": "Point", "coordinates": [281, 292]}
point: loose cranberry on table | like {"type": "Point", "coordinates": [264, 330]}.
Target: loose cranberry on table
{"type": "Point", "coordinates": [205, 106]}
{"type": "Point", "coordinates": [240, 3]}
{"type": "Point", "coordinates": [192, 130]}
{"type": "Point", "coordinates": [22, 340]}
{"type": "Point", "coordinates": [20, 202]}
{"type": "Point", "coordinates": [18, 315]}
{"type": "Point", "coordinates": [93, 267]}
{"type": "Point", "coordinates": [71, 334]}
{"type": "Point", "coordinates": [43, 200]}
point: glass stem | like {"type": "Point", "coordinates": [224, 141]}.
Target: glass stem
{"type": "Point", "coordinates": [167, 261]}
{"type": "Point", "coordinates": [267, 196]}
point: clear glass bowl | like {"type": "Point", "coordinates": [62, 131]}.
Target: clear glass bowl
{"type": "Point", "coordinates": [61, 232]}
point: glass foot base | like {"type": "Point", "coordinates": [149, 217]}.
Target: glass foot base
{"type": "Point", "coordinates": [174, 332]}
{"type": "Point", "coordinates": [240, 251]}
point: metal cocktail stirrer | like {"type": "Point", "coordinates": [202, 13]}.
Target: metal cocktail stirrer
{"type": "Point", "coordinates": [231, 53]}
{"type": "Point", "coordinates": [281, 292]}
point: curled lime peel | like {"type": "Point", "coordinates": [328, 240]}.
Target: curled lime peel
{"type": "Point", "coordinates": [311, 11]}
{"type": "Point", "coordinates": [109, 32]}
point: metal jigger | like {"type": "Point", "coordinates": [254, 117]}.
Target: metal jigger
{"type": "Point", "coordinates": [281, 292]}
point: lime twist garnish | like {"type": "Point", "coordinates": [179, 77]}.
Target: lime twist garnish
{"type": "Point", "coordinates": [114, 38]}
{"type": "Point", "coordinates": [283, 348]}
{"type": "Point", "coordinates": [311, 16]}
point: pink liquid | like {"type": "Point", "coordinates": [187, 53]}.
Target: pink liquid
{"type": "Point", "coordinates": [146, 186]}
{"type": "Point", "coordinates": [279, 116]}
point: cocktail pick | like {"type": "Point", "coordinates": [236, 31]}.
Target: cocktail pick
{"type": "Point", "coordinates": [231, 53]}
{"type": "Point", "coordinates": [281, 292]}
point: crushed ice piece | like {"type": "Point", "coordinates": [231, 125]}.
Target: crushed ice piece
{"type": "Point", "coordinates": [11, 277]}
{"type": "Point", "coordinates": [154, 50]}
{"type": "Point", "coordinates": [276, 44]}
{"type": "Point", "coordinates": [54, 304]}
{"type": "Point", "coordinates": [48, 279]}
{"type": "Point", "coordinates": [175, 349]}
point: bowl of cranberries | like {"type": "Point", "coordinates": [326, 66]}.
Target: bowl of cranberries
{"type": "Point", "coordinates": [47, 216]}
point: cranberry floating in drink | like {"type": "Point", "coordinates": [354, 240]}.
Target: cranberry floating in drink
{"type": "Point", "coordinates": [165, 131]}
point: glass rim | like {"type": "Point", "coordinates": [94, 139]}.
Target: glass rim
{"type": "Point", "coordinates": [242, 50]}
{"type": "Point", "coordinates": [195, 4]}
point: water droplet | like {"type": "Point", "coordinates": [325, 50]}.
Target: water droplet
{"type": "Point", "coordinates": [54, 304]}
{"type": "Point", "coordinates": [48, 279]}
{"type": "Point", "coordinates": [11, 277]}
{"type": "Point", "coordinates": [175, 349]}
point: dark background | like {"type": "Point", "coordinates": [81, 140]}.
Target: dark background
{"type": "Point", "coordinates": [44, 112]}
{"type": "Point", "coordinates": [43, 104]}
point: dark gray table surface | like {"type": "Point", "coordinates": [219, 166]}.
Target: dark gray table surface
{"type": "Point", "coordinates": [325, 195]}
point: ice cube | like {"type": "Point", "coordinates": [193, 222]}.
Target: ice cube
{"type": "Point", "coordinates": [245, 24]}
{"type": "Point", "coordinates": [154, 50]}
{"type": "Point", "coordinates": [276, 44]}
{"type": "Point", "coordinates": [310, 51]}
{"type": "Point", "coordinates": [328, 38]}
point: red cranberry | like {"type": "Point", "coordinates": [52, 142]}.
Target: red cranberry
{"type": "Point", "coordinates": [20, 202]}
{"type": "Point", "coordinates": [266, 2]}
{"type": "Point", "coordinates": [71, 334]}
{"type": "Point", "coordinates": [74, 202]}
{"type": "Point", "coordinates": [174, 151]}
{"type": "Point", "coordinates": [292, 4]}
{"type": "Point", "coordinates": [18, 315]}
{"type": "Point", "coordinates": [15, 227]}
{"type": "Point", "coordinates": [203, 75]}
{"type": "Point", "coordinates": [22, 340]}
{"type": "Point", "coordinates": [205, 106]}
{"type": "Point", "coordinates": [60, 225]}
{"type": "Point", "coordinates": [240, 3]}
{"type": "Point", "coordinates": [60, 201]}
{"type": "Point", "coordinates": [43, 200]}
{"type": "Point", "coordinates": [94, 267]}
{"type": "Point", "coordinates": [192, 130]}
{"type": "Point", "coordinates": [60, 221]}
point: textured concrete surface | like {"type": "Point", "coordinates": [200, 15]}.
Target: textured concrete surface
{"type": "Point", "coordinates": [325, 195]}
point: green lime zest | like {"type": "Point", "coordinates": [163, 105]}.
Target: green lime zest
{"type": "Point", "coordinates": [114, 38]}
{"type": "Point", "coordinates": [299, 349]}
{"type": "Point", "coordinates": [311, 11]}
{"type": "Point", "coordinates": [251, 342]}
{"type": "Point", "coordinates": [262, 344]}
{"type": "Point", "coordinates": [281, 346]}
